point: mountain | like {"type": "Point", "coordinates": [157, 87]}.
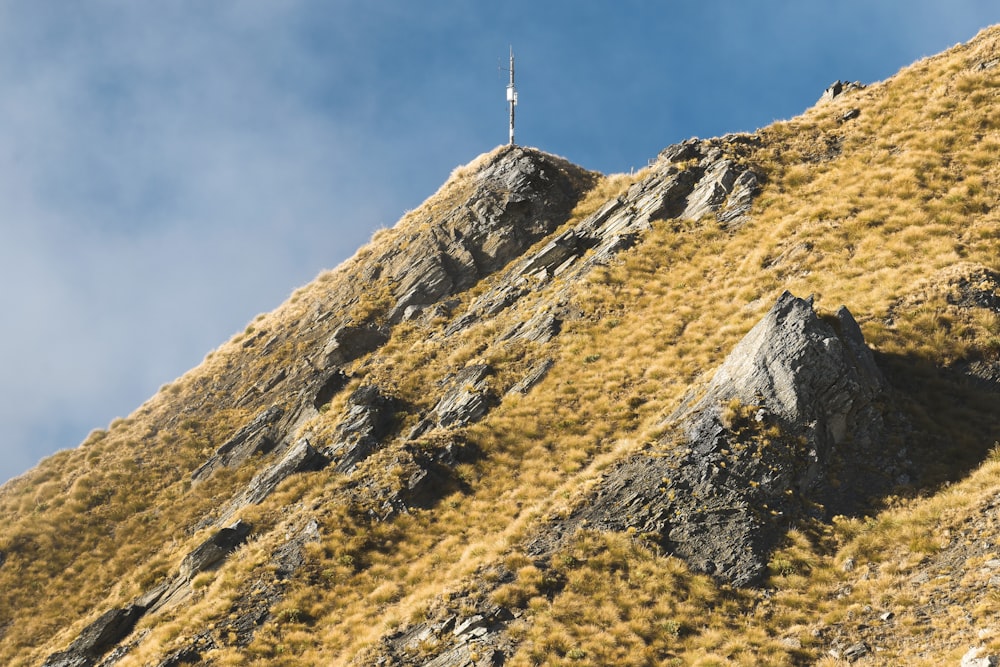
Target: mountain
{"type": "Point", "coordinates": [739, 407]}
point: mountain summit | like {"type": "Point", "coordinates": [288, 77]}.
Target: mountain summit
{"type": "Point", "coordinates": [738, 407]}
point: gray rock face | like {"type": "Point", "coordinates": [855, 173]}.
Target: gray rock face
{"type": "Point", "coordinates": [691, 180]}
{"type": "Point", "coordinates": [301, 457]}
{"type": "Point", "coordinates": [68, 659]}
{"type": "Point", "coordinates": [518, 197]}
{"type": "Point", "coordinates": [258, 437]}
{"type": "Point", "coordinates": [370, 417]}
{"type": "Point", "coordinates": [476, 640]}
{"type": "Point", "coordinates": [792, 418]}
{"type": "Point", "coordinates": [838, 88]}
{"type": "Point", "coordinates": [350, 342]}
{"type": "Point", "coordinates": [467, 400]}
{"type": "Point", "coordinates": [214, 549]}
{"type": "Point", "coordinates": [97, 638]}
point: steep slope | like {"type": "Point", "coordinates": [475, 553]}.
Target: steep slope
{"type": "Point", "coordinates": [509, 429]}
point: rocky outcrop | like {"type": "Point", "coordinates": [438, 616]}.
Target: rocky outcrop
{"type": "Point", "coordinates": [114, 625]}
{"type": "Point", "coordinates": [252, 608]}
{"type": "Point", "coordinates": [517, 197]}
{"type": "Point", "coordinates": [301, 457]}
{"type": "Point", "coordinates": [370, 416]}
{"type": "Point", "coordinates": [258, 437]}
{"type": "Point", "coordinates": [467, 399]}
{"type": "Point", "coordinates": [97, 638]}
{"type": "Point", "coordinates": [790, 424]}
{"type": "Point", "coordinates": [691, 180]}
{"type": "Point", "coordinates": [472, 633]}
{"type": "Point", "coordinates": [350, 342]}
{"type": "Point", "coordinates": [214, 549]}
{"type": "Point", "coordinates": [838, 88]}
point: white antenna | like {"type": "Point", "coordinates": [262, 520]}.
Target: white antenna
{"type": "Point", "coordinates": [511, 95]}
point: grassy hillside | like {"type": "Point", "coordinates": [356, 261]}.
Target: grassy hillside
{"type": "Point", "coordinates": [893, 212]}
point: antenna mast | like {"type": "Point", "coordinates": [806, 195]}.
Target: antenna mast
{"type": "Point", "coordinates": [511, 95]}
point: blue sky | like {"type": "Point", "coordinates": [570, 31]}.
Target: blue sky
{"type": "Point", "coordinates": [169, 170]}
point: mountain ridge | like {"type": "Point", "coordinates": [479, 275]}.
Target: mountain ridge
{"type": "Point", "coordinates": [389, 468]}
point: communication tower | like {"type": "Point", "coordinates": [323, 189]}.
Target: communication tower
{"type": "Point", "coordinates": [511, 95]}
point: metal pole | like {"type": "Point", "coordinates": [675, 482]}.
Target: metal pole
{"type": "Point", "coordinates": [511, 95]}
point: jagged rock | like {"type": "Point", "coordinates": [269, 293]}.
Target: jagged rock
{"type": "Point", "coordinates": [253, 607]}
{"type": "Point", "coordinates": [68, 659]}
{"type": "Point", "coordinates": [518, 197]}
{"type": "Point", "coordinates": [214, 549]}
{"type": "Point", "coordinates": [740, 197]}
{"type": "Point", "coordinates": [300, 458]}
{"type": "Point", "coordinates": [541, 328]}
{"type": "Point", "coordinates": [555, 253]}
{"type": "Point", "coordinates": [475, 626]}
{"type": "Point", "coordinates": [97, 638]}
{"type": "Point", "coordinates": [257, 437]}
{"type": "Point", "coordinates": [350, 342]}
{"type": "Point", "coordinates": [107, 630]}
{"type": "Point", "coordinates": [327, 388]}
{"type": "Point", "coordinates": [370, 417]}
{"type": "Point", "coordinates": [712, 189]}
{"type": "Point", "coordinates": [856, 651]}
{"type": "Point", "coordinates": [468, 399]}
{"type": "Point", "coordinates": [533, 376]}
{"type": "Point", "coordinates": [790, 419]}
{"type": "Point", "coordinates": [838, 88]}
{"type": "Point", "coordinates": [453, 641]}
{"type": "Point", "coordinates": [716, 184]}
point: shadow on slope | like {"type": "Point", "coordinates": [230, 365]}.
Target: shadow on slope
{"type": "Point", "coordinates": [953, 417]}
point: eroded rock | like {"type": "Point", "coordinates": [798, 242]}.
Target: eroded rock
{"type": "Point", "coordinates": [370, 417]}
{"type": "Point", "coordinates": [214, 549]}
{"type": "Point", "coordinates": [301, 457]}
{"type": "Point", "coordinates": [468, 399]}
{"type": "Point", "coordinates": [350, 342]}
{"type": "Point", "coordinates": [258, 437]}
{"type": "Point", "coordinates": [694, 179]}
{"type": "Point", "coordinates": [518, 197]}
{"type": "Point", "coordinates": [98, 638]}
{"type": "Point", "coordinates": [790, 424]}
